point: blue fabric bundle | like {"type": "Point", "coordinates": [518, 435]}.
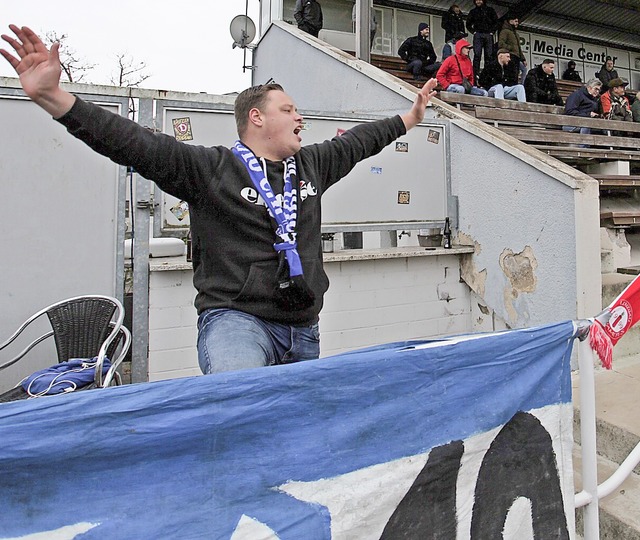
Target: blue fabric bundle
{"type": "Point", "coordinates": [63, 377]}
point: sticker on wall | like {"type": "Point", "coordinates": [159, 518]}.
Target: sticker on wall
{"type": "Point", "coordinates": [306, 125]}
{"type": "Point", "coordinates": [402, 146]}
{"type": "Point", "coordinates": [340, 132]}
{"type": "Point", "coordinates": [434, 136]}
{"type": "Point", "coordinates": [180, 210]}
{"type": "Point", "coordinates": [404, 197]}
{"type": "Point", "coordinates": [182, 129]}
{"type": "Point", "coordinates": [376, 170]}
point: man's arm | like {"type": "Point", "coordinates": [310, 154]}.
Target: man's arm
{"type": "Point", "coordinates": [471, 21]}
{"type": "Point", "coordinates": [39, 70]}
{"type": "Point", "coordinates": [298, 12]}
{"type": "Point", "coordinates": [432, 56]}
{"type": "Point", "coordinates": [177, 168]}
{"type": "Point", "coordinates": [403, 51]}
{"type": "Point", "coordinates": [416, 114]}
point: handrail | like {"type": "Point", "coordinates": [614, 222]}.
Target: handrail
{"type": "Point", "coordinates": [592, 492]}
{"type": "Point", "coordinates": [588, 497]}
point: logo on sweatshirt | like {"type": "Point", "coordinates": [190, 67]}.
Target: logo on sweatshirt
{"type": "Point", "coordinates": [252, 196]}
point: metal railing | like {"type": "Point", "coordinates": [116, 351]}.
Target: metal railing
{"type": "Point", "coordinates": [592, 492]}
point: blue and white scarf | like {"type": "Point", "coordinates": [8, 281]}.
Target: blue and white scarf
{"type": "Point", "coordinates": [293, 292]}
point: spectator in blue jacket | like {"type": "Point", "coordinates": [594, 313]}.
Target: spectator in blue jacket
{"type": "Point", "coordinates": [583, 102]}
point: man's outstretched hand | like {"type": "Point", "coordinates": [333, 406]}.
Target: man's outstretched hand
{"type": "Point", "coordinates": [39, 70]}
{"type": "Point", "coordinates": [416, 114]}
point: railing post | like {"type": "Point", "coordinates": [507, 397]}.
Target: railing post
{"type": "Point", "coordinates": [588, 440]}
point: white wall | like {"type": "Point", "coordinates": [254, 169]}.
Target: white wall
{"type": "Point", "coordinates": [371, 300]}
{"type": "Point", "coordinates": [516, 205]}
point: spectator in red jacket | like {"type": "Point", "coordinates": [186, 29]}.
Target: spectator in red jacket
{"type": "Point", "coordinates": [458, 69]}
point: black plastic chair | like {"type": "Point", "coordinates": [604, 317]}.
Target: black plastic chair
{"type": "Point", "coordinates": [82, 327]}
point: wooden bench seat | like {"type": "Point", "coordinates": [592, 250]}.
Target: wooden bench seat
{"type": "Point", "coordinates": [468, 101]}
{"type": "Point", "coordinates": [614, 181]}
{"type": "Point", "coordinates": [544, 131]}
{"type": "Point", "coordinates": [501, 116]}
{"type": "Point", "coordinates": [582, 155]}
{"type": "Point", "coordinates": [619, 219]}
{"type": "Point", "coordinates": [556, 135]}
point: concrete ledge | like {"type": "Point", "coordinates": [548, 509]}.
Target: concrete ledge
{"type": "Point", "coordinates": [166, 264]}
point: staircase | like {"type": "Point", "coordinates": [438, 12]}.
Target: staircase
{"type": "Point", "coordinates": [618, 432]}
{"type": "Point", "coordinates": [617, 413]}
{"type": "Point", "coordinates": [396, 66]}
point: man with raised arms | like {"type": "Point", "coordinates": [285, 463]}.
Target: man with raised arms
{"type": "Point", "coordinates": [254, 208]}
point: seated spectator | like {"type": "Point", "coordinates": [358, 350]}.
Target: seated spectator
{"type": "Point", "coordinates": [614, 104]}
{"type": "Point", "coordinates": [450, 46]}
{"type": "Point", "coordinates": [607, 72]}
{"type": "Point", "coordinates": [540, 84]}
{"type": "Point", "coordinates": [455, 69]}
{"type": "Point", "coordinates": [500, 78]}
{"type": "Point", "coordinates": [635, 108]}
{"type": "Point", "coordinates": [584, 102]}
{"type": "Point", "coordinates": [570, 74]}
{"type": "Point", "coordinates": [418, 53]}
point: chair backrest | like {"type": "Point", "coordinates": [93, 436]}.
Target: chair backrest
{"type": "Point", "coordinates": [80, 325]}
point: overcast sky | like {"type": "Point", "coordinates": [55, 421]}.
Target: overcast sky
{"type": "Point", "coordinates": [186, 45]}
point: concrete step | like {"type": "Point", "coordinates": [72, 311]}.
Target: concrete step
{"type": "Point", "coordinates": [618, 513]}
{"type": "Point", "coordinates": [618, 432]}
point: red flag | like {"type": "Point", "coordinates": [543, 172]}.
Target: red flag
{"type": "Point", "coordinates": [610, 325]}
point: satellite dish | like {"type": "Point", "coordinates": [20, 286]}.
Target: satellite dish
{"type": "Point", "coordinates": [243, 31]}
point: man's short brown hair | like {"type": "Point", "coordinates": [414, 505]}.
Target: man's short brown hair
{"type": "Point", "coordinates": [251, 98]}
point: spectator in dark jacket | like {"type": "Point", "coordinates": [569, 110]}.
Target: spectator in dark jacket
{"type": "Point", "coordinates": [509, 39]}
{"type": "Point", "coordinates": [635, 108]}
{"type": "Point", "coordinates": [540, 84]}
{"type": "Point", "coordinates": [308, 15]}
{"type": "Point", "coordinates": [607, 73]}
{"type": "Point", "coordinates": [500, 78]}
{"type": "Point", "coordinates": [453, 22]}
{"type": "Point", "coordinates": [570, 74]}
{"type": "Point", "coordinates": [419, 54]}
{"type": "Point", "coordinates": [583, 102]}
{"type": "Point", "coordinates": [482, 22]}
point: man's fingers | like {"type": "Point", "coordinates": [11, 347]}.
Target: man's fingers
{"type": "Point", "coordinates": [10, 58]}
{"type": "Point", "coordinates": [55, 52]}
{"type": "Point", "coordinates": [17, 46]}
{"type": "Point", "coordinates": [32, 41]}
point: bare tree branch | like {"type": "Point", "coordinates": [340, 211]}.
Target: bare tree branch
{"type": "Point", "coordinates": [129, 73]}
{"type": "Point", "coordinates": [74, 67]}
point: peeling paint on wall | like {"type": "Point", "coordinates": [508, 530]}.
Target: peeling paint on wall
{"type": "Point", "coordinates": [519, 268]}
{"type": "Point", "coordinates": [474, 278]}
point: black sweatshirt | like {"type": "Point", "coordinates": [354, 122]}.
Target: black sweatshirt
{"type": "Point", "coordinates": [234, 261]}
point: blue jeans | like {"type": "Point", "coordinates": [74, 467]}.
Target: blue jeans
{"type": "Point", "coordinates": [229, 340]}
{"type": "Point", "coordinates": [459, 89]}
{"type": "Point", "coordinates": [508, 92]}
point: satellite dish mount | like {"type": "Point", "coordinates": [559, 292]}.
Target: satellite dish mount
{"type": "Point", "coordinates": [243, 32]}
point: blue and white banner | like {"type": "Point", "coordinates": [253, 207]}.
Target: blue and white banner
{"type": "Point", "coordinates": [468, 438]}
